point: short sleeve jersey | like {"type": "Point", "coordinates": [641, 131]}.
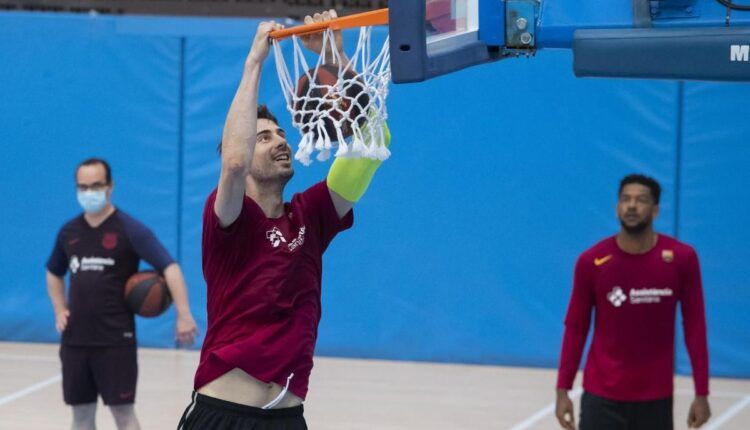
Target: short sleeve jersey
{"type": "Point", "coordinates": [100, 261]}
{"type": "Point", "coordinates": [264, 284]}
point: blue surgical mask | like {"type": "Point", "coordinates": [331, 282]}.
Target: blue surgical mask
{"type": "Point", "coordinates": [92, 201]}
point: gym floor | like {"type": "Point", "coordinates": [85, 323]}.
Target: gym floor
{"type": "Point", "coordinates": [345, 394]}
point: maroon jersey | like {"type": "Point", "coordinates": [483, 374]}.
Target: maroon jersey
{"type": "Point", "coordinates": [263, 277]}
{"type": "Point", "coordinates": [635, 297]}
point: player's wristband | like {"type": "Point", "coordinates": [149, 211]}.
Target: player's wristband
{"type": "Point", "coordinates": [350, 177]}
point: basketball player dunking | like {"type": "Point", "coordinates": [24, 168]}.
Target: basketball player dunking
{"type": "Point", "coordinates": [262, 261]}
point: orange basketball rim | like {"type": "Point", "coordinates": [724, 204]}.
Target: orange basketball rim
{"type": "Point", "coordinates": [365, 19]}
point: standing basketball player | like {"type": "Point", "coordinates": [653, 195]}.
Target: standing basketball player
{"type": "Point", "coordinates": [634, 281]}
{"type": "Point", "coordinates": [102, 249]}
{"type": "Point", "coordinates": [262, 261]}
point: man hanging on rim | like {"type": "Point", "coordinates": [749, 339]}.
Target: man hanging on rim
{"type": "Point", "coordinates": [262, 261]}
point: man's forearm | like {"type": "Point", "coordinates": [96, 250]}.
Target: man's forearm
{"type": "Point", "coordinates": [238, 144]}
{"type": "Point", "coordinates": [574, 340]}
{"type": "Point", "coordinates": [238, 139]}
{"type": "Point", "coordinates": [335, 58]}
{"type": "Point", "coordinates": [177, 288]}
{"type": "Point", "coordinates": [56, 291]}
{"type": "Point", "coordinates": [350, 177]}
{"type": "Point", "coordinates": [694, 323]}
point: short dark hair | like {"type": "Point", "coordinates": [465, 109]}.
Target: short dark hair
{"type": "Point", "coordinates": [263, 113]}
{"type": "Point", "coordinates": [644, 180]}
{"type": "Point", "coordinates": [95, 161]}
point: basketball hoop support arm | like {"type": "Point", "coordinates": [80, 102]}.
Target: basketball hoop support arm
{"type": "Point", "coordinates": [655, 39]}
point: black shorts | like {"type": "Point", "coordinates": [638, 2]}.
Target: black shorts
{"type": "Point", "coordinates": [209, 413]}
{"type": "Point", "coordinates": [110, 371]}
{"type": "Point", "coordinates": [598, 413]}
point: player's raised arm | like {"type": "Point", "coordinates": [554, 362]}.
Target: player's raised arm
{"type": "Point", "coordinates": [349, 178]}
{"type": "Point", "coordinates": [314, 42]}
{"type": "Point", "coordinates": [239, 137]}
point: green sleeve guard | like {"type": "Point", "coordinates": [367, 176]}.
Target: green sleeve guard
{"type": "Point", "coordinates": [350, 177]}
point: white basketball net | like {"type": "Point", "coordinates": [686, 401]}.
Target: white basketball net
{"type": "Point", "coordinates": [329, 116]}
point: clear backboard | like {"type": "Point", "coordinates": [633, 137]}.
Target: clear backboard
{"type": "Point", "coordinates": [429, 38]}
{"type": "Point", "coordinates": [433, 37]}
{"type": "Point", "coordinates": [449, 23]}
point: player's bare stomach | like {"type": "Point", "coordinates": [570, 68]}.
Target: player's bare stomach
{"type": "Point", "coordinates": [236, 386]}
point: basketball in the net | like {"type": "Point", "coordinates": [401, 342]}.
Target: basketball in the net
{"type": "Point", "coordinates": [146, 294]}
{"type": "Point", "coordinates": [347, 103]}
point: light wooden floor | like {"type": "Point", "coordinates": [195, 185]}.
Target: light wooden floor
{"type": "Point", "coordinates": [344, 394]}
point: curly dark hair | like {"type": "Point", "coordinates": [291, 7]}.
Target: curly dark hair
{"type": "Point", "coordinates": [644, 180]}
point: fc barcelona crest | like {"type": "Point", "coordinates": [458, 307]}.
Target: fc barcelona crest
{"type": "Point", "coordinates": [109, 240]}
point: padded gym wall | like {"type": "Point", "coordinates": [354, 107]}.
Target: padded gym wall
{"type": "Point", "coordinates": [463, 247]}
{"type": "Point", "coordinates": [72, 87]}
{"type": "Point", "coordinates": [714, 202]}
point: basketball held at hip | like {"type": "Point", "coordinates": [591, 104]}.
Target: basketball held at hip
{"type": "Point", "coordinates": [147, 295]}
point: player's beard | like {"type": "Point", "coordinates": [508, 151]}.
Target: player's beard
{"type": "Point", "coordinates": [271, 174]}
{"type": "Point", "coordinates": [285, 175]}
{"type": "Point", "coordinates": [636, 229]}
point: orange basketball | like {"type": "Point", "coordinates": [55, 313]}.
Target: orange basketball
{"type": "Point", "coordinates": [147, 295]}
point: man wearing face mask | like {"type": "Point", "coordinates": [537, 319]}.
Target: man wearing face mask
{"type": "Point", "coordinates": [102, 248]}
{"type": "Point", "coordinates": [634, 280]}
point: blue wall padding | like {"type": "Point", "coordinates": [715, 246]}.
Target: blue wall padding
{"type": "Point", "coordinates": [714, 195]}
{"type": "Point", "coordinates": [72, 88]}
{"type": "Point", "coordinates": [465, 243]}
{"type": "Point", "coordinates": [462, 248]}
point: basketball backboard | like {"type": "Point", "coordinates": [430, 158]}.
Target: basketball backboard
{"type": "Point", "coordinates": [433, 37]}
{"type": "Point", "coordinates": [449, 23]}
